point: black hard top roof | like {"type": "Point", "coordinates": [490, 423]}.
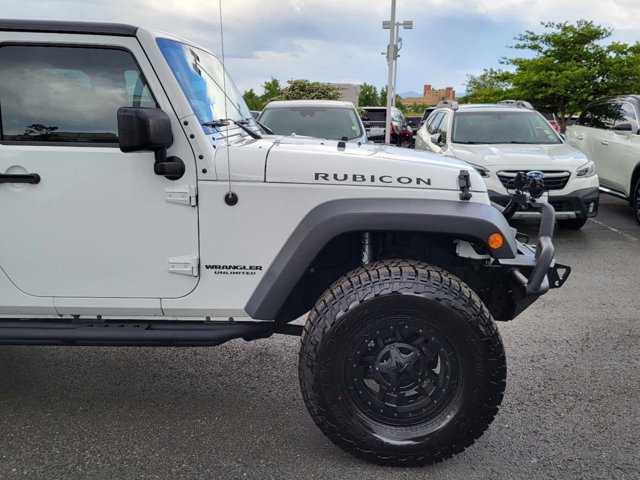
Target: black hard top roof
{"type": "Point", "coordinates": [89, 28]}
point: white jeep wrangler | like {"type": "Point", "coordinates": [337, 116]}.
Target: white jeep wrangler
{"type": "Point", "coordinates": [140, 206]}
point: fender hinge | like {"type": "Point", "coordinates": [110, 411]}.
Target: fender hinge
{"type": "Point", "coordinates": [187, 265]}
{"type": "Point", "coordinates": [182, 194]}
{"type": "Point", "coordinates": [464, 183]}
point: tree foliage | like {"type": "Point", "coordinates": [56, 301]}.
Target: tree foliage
{"type": "Point", "coordinates": [295, 90]}
{"type": "Point", "coordinates": [489, 87]}
{"type": "Point", "coordinates": [369, 96]}
{"type": "Point", "coordinates": [571, 66]}
{"type": "Point", "coordinates": [271, 89]}
{"type": "Point", "coordinates": [306, 90]}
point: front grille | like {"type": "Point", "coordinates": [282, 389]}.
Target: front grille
{"type": "Point", "coordinates": [553, 180]}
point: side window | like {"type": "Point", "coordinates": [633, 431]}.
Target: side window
{"type": "Point", "coordinates": [585, 117]}
{"type": "Point", "coordinates": [433, 122]}
{"type": "Point", "coordinates": [67, 94]}
{"type": "Point", "coordinates": [626, 119]}
{"type": "Point", "coordinates": [604, 115]}
{"type": "Point", "coordinates": [443, 128]}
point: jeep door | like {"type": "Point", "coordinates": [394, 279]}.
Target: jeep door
{"type": "Point", "coordinates": [98, 223]}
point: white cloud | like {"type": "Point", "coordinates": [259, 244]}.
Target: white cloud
{"type": "Point", "coordinates": [341, 40]}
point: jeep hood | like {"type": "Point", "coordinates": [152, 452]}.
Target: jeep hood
{"type": "Point", "coordinates": [521, 156]}
{"type": "Point", "coordinates": [312, 161]}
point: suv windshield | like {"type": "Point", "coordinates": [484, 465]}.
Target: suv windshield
{"type": "Point", "coordinates": [203, 81]}
{"type": "Point", "coordinates": [334, 123]}
{"type": "Point", "coordinates": [502, 127]}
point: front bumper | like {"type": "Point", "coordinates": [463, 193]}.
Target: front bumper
{"type": "Point", "coordinates": [578, 204]}
{"type": "Point", "coordinates": [534, 270]}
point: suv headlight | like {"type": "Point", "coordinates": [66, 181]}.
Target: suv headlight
{"type": "Point", "coordinates": [481, 170]}
{"type": "Point", "coordinates": [586, 170]}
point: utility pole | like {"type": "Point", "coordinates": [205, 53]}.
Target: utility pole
{"type": "Point", "coordinates": [392, 60]}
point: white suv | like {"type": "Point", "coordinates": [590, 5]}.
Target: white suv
{"type": "Point", "coordinates": [608, 131]}
{"type": "Point", "coordinates": [501, 140]}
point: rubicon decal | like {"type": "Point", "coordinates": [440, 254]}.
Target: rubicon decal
{"type": "Point", "coordinates": [234, 269]}
{"type": "Point", "coordinates": [360, 178]}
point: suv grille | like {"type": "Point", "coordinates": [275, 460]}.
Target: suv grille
{"type": "Point", "coordinates": [553, 180]}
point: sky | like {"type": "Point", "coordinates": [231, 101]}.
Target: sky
{"type": "Point", "coordinates": [343, 40]}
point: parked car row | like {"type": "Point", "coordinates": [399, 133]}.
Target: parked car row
{"type": "Point", "coordinates": [499, 141]}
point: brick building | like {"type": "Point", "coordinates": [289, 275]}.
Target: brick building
{"type": "Point", "coordinates": [431, 96]}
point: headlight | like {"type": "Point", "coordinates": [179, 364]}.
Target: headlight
{"type": "Point", "coordinates": [586, 170]}
{"type": "Point", "coordinates": [482, 171]}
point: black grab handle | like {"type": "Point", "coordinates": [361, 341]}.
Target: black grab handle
{"type": "Point", "coordinates": [20, 178]}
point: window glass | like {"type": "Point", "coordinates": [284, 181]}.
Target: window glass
{"type": "Point", "coordinates": [626, 118]}
{"type": "Point", "coordinates": [375, 115]}
{"type": "Point", "coordinates": [433, 122]}
{"type": "Point", "coordinates": [336, 123]}
{"type": "Point", "coordinates": [67, 94]}
{"type": "Point", "coordinates": [502, 127]}
{"type": "Point", "coordinates": [443, 127]}
{"type": "Point", "coordinates": [204, 83]}
{"type": "Point", "coordinates": [585, 117]}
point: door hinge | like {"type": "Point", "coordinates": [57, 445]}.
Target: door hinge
{"type": "Point", "coordinates": [182, 194]}
{"type": "Point", "coordinates": [187, 265]}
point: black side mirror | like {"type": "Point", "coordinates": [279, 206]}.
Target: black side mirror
{"type": "Point", "coordinates": [623, 127]}
{"type": "Point", "coordinates": [149, 129]}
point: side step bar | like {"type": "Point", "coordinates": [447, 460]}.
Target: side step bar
{"type": "Point", "coordinates": [134, 332]}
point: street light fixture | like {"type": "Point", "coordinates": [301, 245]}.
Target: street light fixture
{"type": "Point", "coordinates": [395, 44]}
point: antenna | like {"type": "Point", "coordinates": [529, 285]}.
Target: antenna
{"type": "Point", "coordinates": [230, 197]}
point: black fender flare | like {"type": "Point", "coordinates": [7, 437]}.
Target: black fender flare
{"type": "Point", "coordinates": [470, 220]}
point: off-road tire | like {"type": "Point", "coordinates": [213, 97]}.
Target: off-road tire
{"type": "Point", "coordinates": [441, 334]}
{"type": "Point", "coordinates": [572, 223]}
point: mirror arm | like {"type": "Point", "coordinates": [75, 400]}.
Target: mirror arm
{"type": "Point", "coordinates": [172, 168]}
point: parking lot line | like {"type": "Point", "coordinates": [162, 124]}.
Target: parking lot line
{"type": "Point", "coordinates": [615, 230]}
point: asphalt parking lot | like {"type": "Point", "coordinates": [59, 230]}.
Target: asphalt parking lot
{"type": "Point", "coordinates": [571, 410]}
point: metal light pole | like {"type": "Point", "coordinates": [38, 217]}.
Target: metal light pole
{"type": "Point", "coordinates": [392, 60]}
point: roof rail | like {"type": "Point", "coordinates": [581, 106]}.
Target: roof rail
{"type": "Point", "coordinates": [517, 103]}
{"type": "Point", "coordinates": [452, 104]}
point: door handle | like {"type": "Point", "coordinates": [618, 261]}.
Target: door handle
{"type": "Point", "coordinates": [580, 137]}
{"type": "Point", "coordinates": [604, 142]}
{"type": "Point", "coordinates": [20, 178]}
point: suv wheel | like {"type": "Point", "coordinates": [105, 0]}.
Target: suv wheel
{"type": "Point", "coordinates": [401, 364]}
{"type": "Point", "coordinates": [572, 223]}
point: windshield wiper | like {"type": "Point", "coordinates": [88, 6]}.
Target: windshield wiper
{"type": "Point", "coordinates": [266, 129]}
{"type": "Point", "coordinates": [223, 122]}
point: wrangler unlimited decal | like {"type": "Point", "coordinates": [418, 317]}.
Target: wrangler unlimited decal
{"type": "Point", "coordinates": [234, 269]}
{"type": "Point", "coordinates": [356, 177]}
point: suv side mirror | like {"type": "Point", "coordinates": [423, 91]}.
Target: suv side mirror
{"type": "Point", "coordinates": [623, 127]}
{"type": "Point", "coordinates": [143, 129]}
{"type": "Point", "coordinates": [149, 129]}
{"type": "Point", "coordinates": [436, 139]}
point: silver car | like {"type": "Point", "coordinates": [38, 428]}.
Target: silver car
{"type": "Point", "coordinates": [328, 119]}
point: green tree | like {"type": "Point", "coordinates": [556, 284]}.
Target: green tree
{"type": "Point", "coordinates": [272, 89]}
{"type": "Point", "coordinates": [489, 87]}
{"type": "Point", "coordinates": [571, 66]}
{"type": "Point", "coordinates": [383, 96]}
{"type": "Point", "coordinates": [252, 100]}
{"type": "Point", "coordinates": [306, 90]}
{"type": "Point", "coordinates": [368, 96]}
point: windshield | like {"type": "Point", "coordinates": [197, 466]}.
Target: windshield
{"type": "Point", "coordinates": [334, 123]}
{"type": "Point", "coordinates": [202, 79]}
{"type": "Point", "coordinates": [502, 127]}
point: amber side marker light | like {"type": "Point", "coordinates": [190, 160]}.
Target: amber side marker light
{"type": "Point", "coordinates": [495, 241]}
